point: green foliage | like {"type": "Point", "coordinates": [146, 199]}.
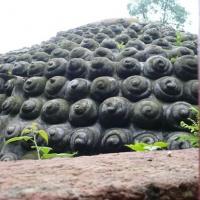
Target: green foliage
{"type": "Point", "coordinates": [10, 72]}
{"type": "Point", "coordinates": [42, 149]}
{"type": "Point", "coordinates": [57, 155]}
{"type": "Point", "coordinates": [192, 139]}
{"type": "Point", "coordinates": [173, 59]}
{"type": "Point", "coordinates": [193, 126]}
{"type": "Point", "coordinates": [179, 39]}
{"type": "Point", "coordinates": [43, 135]}
{"type": "Point", "coordinates": [43, 152]}
{"type": "Point", "coordinates": [120, 46]}
{"type": "Point", "coordinates": [142, 147]}
{"type": "Point", "coordinates": [35, 131]}
{"type": "Point", "coordinates": [20, 138]}
{"type": "Point", "coordinates": [165, 11]}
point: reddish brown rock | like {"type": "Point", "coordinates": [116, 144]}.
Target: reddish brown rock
{"type": "Point", "coordinates": [120, 176]}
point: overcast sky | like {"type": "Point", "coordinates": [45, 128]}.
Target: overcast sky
{"type": "Point", "coordinates": [27, 22]}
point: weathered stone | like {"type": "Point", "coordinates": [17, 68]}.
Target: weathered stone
{"type": "Point", "coordinates": [112, 82]}
{"type": "Point", "coordinates": [129, 176]}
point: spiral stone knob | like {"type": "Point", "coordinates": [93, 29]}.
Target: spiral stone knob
{"type": "Point", "coordinates": [136, 88]}
{"type": "Point", "coordinates": [55, 111]}
{"type": "Point", "coordinates": [114, 111]}
{"type": "Point", "coordinates": [104, 87]}
{"type": "Point", "coordinates": [114, 140]}
{"type": "Point", "coordinates": [177, 112]}
{"type": "Point", "coordinates": [31, 108]}
{"type": "Point", "coordinates": [77, 68]}
{"type": "Point", "coordinates": [186, 67]}
{"type": "Point", "coordinates": [100, 66]}
{"type": "Point", "coordinates": [147, 114]}
{"type": "Point", "coordinates": [34, 86]}
{"type": "Point", "coordinates": [54, 86]}
{"type": "Point", "coordinates": [83, 113]}
{"type": "Point", "coordinates": [157, 66]}
{"type": "Point", "coordinates": [168, 89]}
{"type": "Point", "coordinates": [56, 67]}
{"type": "Point", "coordinates": [128, 67]}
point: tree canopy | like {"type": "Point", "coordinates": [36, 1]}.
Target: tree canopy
{"type": "Point", "coordinates": [164, 11]}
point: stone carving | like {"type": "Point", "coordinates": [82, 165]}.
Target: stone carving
{"type": "Point", "coordinates": [186, 67]}
{"type": "Point", "coordinates": [147, 114]}
{"type": "Point", "coordinates": [114, 111]}
{"type": "Point", "coordinates": [100, 66]}
{"type": "Point", "coordinates": [168, 89]}
{"type": "Point", "coordinates": [191, 91]}
{"type": "Point", "coordinates": [135, 88]}
{"type": "Point", "coordinates": [128, 67]}
{"type": "Point", "coordinates": [37, 68]}
{"type": "Point", "coordinates": [177, 112]}
{"type": "Point", "coordinates": [77, 68]}
{"type": "Point", "coordinates": [104, 87]}
{"type": "Point", "coordinates": [55, 111]}
{"type": "Point", "coordinates": [114, 140]}
{"type": "Point", "coordinates": [20, 68]}
{"type": "Point", "coordinates": [147, 136]}
{"type": "Point", "coordinates": [77, 88]}
{"type": "Point", "coordinates": [54, 86]}
{"type": "Point", "coordinates": [97, 87]}
{"type": "Point", "coordinates": [83, 113]}
{"type": "Point", "coordinates": [56, 67]}
{"type": "Point", "coordinates": [34, 86]}
{"type": "Point", "coordinates": [86, 140]}
{"type": "Point", "coordinates": [157, 66]}
{"type": "Point", "coordinates": [30, 109]}
{"type": "Point", "coordinates": [174, 144]}
{"type": "Point", "coordinates": [59, 137]}
{"type": "Point", "coordinates": [11, 105]}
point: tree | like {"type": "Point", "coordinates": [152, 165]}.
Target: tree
{"type": "Point", "coordinates": [164, 11]}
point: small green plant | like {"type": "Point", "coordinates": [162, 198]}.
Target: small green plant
{"type": "Point", "coordinates": [120, 46]}
{"type": "Point", "coordinates": [30, 135]}
{"type": "Point", "coordinates": [173, 59]}
{"type": "Point", "coordinates": [142, 147]}
{"type": "Point", "coordinates": [193, 127]}
{"type": "Point", "coordinates": [179, 39]}
{"type": "Point", "coordinates": [10, 72]}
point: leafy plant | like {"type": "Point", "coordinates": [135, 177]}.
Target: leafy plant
{"type": "Point", "coordinates": [57, 155]}
{"type": "Point", "coordinates": [173, 59]}
{"type": "Point", "coordinates": [10, 72]}
{"type": "Point", "coordinates": [142, 147]}
{"type": "Point", "coordinates": [43, 152]}
{"type": "Point", "coordinates": [179, 39]}
{"type": "Point", "coordinates": [193, 127]}
{"type": "Point", "coordinates": [120, 46]}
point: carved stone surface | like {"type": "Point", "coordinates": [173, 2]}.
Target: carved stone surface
{"type": "Point", "coordinates": [118, 176]}
{"type": "Point", "coordinates": [100, 86]}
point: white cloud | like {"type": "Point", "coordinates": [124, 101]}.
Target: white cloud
{"type": "Point", "coordinates": [192, 7]}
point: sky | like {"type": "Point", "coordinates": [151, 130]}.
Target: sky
{"type": "Point", "coordinates": [24, 23]}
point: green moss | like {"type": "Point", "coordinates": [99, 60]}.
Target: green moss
{"type": "Point", "coordinates": [179, 39]}
{"type": "Point", "coordinates": [120, 46]}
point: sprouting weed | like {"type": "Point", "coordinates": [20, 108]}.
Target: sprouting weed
{"type": "Point", "coordinates": [142, 147]}
{"type": "Point", "coordinates": [43, 152]}
{"type": "Point", "coordinates": [193, 128]}
{"type": "Point", "coordinates": [120, 46]}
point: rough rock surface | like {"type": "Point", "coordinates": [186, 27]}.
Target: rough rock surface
{"type": "Point", "coordinates": [119, 176]}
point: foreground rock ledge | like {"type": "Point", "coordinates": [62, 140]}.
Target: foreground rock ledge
{"type": "Point", "coordinates": [120, 176]}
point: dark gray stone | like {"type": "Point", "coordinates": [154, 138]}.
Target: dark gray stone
{"type": "Point", "coordinates": [97, 87]}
